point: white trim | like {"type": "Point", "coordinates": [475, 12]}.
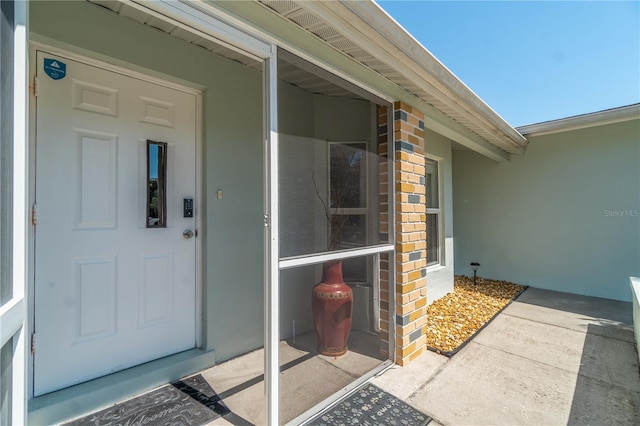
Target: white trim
{"type": "Point", "coordinates": [214, 10]}
{"type": "Point", "coordinates": [435, 119]}
{"type": "Point", "coordinates": [20, 151]}
{"type": "Point", "coordinates": [12, 314]}
{"type": "Point", "coordinates": [435, 268]}
{"type": "Point", "coordinates": [376, 293]}
{"type": "Point", "coordinates": [439, 212]}
{"type": "Point", "coordinates": [313, 259]}
{"type": "Point", "coordinates": [20, 208]}
{"type": "Point", "coordinates": [199, 167]}
{"type": "Point", "coordinates": [199, 219]}
{"type": "Point", "coordinates": [30, 318]}
{"type": "Point", "coordinates": [600, 118]}
{"type": "Point", "coordinates": [272, 243]}
{"type": "Point", "coordinates": [205, 24]}
{"type": "Point", "coordinates": [369, 26]}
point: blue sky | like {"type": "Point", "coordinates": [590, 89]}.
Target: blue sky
{"type": "Point", "coordinates": [533, 61]}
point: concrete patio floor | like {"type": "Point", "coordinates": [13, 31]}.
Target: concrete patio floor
{"type": "Point", "coordinates": [306, 378]}
{"type": "Point", "coordinates": [549, 358]}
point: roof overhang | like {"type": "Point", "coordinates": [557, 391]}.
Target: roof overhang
{"type": "Point", "coordinates": [367, 34]}
{"type": "Point", "coordinates": [600, 118]}
{"type": "Point", "coordinates": [361, 43]}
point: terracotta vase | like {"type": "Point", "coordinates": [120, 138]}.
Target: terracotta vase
{"type": "Point", "coordinates": [332, 303]}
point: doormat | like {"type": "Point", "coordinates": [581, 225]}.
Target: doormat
{"type": "Point", "coordinates": [370, 405]}
{"type": "Point", "coordinates": [188, 402]}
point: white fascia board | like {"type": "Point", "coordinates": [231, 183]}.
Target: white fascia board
{"type": "Point", "coordinates": [438, 122]}
{"type": "Point", "coordinates": [600, 118]}
{"type": "Point", "coordinates": [258, 20]}
{"type": "Point", "coordinates": [189, 15]}
{"type": "Point", "coordinates": [382, 34]}
{"type": "Point", "coordinates": [278, 30]}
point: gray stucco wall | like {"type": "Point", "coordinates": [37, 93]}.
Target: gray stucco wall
{"type": "Point", "coordinates": [233, 231]}
{"type": "Point", "coordinates": [563, 216]}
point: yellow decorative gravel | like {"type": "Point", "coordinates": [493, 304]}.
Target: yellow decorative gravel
{"type": "Point", "coordinates": [454, 318]}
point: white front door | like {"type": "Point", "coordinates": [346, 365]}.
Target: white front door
{"type": "Point", "coordinates": [114, 286]}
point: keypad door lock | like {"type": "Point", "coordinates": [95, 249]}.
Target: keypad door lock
{"type": "Point", "coordinates": [187, 207]}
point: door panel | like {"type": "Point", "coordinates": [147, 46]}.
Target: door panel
{"type": "Point", "coordinates": [110, 292]}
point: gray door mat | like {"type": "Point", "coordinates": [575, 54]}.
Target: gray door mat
{"type": "Point", "coordinates": [369, 405]}
{"type": "Point", "coordinates": [187, 402]}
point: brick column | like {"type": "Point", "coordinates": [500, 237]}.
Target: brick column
{"type": "Point", "coordinates": [383, 168]}
{"type": "Point", "coordinates": [411, 234]}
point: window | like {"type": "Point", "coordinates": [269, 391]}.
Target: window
{"type": "Point", "coordinates": [156, 184]}
{"type": "Point", "coordinates": [349, 204]}
{"type": "Point", "coordinates": [434, 214]}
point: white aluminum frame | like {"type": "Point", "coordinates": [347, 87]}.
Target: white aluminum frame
{"type": "Point", "coordinates": [271, 243]}
{"type": "Point", "coordinates": [312, 259]}
{"type": "Point", "coordinates": [14, 311]}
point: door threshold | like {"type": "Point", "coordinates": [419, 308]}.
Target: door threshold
{"type": "Point", "coordinates": [84, 398]}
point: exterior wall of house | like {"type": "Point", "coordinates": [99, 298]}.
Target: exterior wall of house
{"type": "Point", "coordinates": [440, 277]}
{"type": "Point", "coordinates": [233, 157]}
{"type": "Point", "coordinates": [563, 216]}
{"type": "Point", "coordinates": [233, 272]}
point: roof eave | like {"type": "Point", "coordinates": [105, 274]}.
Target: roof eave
{"type": "Point", "coordinates": [415, 59]}
{"type": "Point", "coordinates": [599, 118]}
{"type": "Point", "coordinates": [308, 45]}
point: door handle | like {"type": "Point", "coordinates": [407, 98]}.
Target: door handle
{"type": "Point", "coordinates": [188, 233]}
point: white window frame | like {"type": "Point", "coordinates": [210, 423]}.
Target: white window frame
{"type": "Point", "coordinates": [438, 211]}
{"type": "Point", "coordinates": [354, 211]}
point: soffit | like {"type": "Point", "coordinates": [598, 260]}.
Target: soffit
{"type": "Point", "coordinates": [209, 43]}
{"type": "Point", "coordinates": [286, 72]}
{"type": "Point", "coordinates": [297, 13]}
{"type": "Point", "coordinates": [471, 113]}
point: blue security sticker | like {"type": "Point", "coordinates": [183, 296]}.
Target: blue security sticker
{"type": "Point", "coordinates": [55, 69]}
